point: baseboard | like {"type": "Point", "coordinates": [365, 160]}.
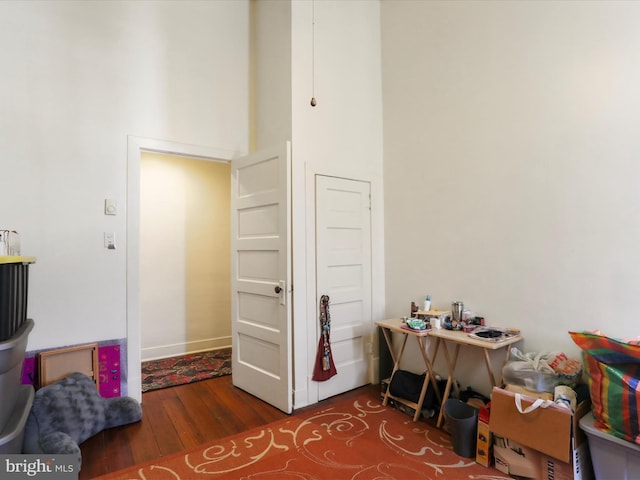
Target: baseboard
{"type": "Point", "coordinates": [165, 351]}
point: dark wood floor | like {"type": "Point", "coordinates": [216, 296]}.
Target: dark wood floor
{"type": "Point", "coordinates": [179, 418]}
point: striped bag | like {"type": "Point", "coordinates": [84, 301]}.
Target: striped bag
{"type": "Point", "coordinates": [612, 368]}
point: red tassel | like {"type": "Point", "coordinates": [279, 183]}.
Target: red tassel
{"type": "Point", "coordinates": [319, 372]}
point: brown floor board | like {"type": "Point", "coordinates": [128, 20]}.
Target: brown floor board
{"type": "Point", "coordinates": [234, 418]}
{"type": "Point", "coordinates": [154, 436]}
{"type": "Point", "coordinates": [206, 414]}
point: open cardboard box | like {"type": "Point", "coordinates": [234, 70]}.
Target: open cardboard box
{"type": "Point", "coordinates": [553, 430]}
{"type": "Point", "coordinates": [526, 463]}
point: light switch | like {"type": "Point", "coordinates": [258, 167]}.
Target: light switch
{"type": "Point", "coordinates": [110, 240]}
{"type": "Point", "coordinates": [110, 206]}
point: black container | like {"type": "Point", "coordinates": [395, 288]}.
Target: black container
{"type": "Point", "coordinates": [14, 285]}
{"type": "Point", "coordinates": [462, 420]}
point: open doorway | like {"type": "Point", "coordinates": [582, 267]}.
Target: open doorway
{"type": "Point", "coordinates": [184, 255]}
{"type": "Point", "coordinates": [138, 146]}
{"type": "Point", "coordinates": [185, 306]}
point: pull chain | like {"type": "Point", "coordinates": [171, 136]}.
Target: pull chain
{"type": "Point", "coordinates": [313, 53]}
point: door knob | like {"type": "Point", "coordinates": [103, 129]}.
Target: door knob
{"type": "Point", "coordinates": [277, 289]}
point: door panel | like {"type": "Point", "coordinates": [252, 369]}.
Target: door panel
{"type": "Point", "coordinates": [343, 248]}
{"type": "Point", "coordinates": [261, 278]}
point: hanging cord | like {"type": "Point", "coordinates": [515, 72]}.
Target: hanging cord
{"type": "Point", "coordinates": [313, 53]}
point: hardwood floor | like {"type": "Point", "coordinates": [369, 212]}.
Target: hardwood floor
{"type": "Point", "coordinates": [179, 418]}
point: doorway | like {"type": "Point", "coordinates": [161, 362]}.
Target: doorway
{"type": "Point", "coordinates": [135, 147]}
{"type": "Point", "coordinates": [343, 272]}
{"type": "Point", "coordinates": [184, 255]}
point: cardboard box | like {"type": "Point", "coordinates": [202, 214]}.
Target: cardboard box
{"type": "Point", "coordinates": [527, 392]}
{"type": "Point", "coordinates": [579, 468]}
{"type": "Point", "coordinates": [484, 442]}
{"type": "Point", "coordinates": [550, 437]}
{"type": "Point", "coordinates": [548, 430]}
{"type": "Point", "coordinates": [517, 460]}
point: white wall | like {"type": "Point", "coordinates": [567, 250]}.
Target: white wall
{"type": "Point", "coordinates": [341, 136]}
{"type": "Point", "coordinates": [185, 246]}
{"type": "Point", "coordinates": [270, 73]}
{"type": "Point", "coordinates": [78, 77]}
{"type": "Point", "coordinates": [511, 145]}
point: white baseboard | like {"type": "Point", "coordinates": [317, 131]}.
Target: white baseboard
{"type": "Point", "coordinates": [165, 351]}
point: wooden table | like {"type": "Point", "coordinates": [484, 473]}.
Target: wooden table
{"type": "Point", "coordinates": [460, 338]}
{"type": "Point", "coordinates": [396, 326]}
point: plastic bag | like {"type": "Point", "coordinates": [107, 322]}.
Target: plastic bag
{"type": "Point", "coordinates": [554, 362]}
{"type": "Point", "coordinates": [9, 242]}
{"type": "Point", "coordinates": [541, 372]}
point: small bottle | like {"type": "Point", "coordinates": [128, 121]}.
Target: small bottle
{"type": "Point", "coordinates": [414, 309]}
{"type": "Point", "coordinates": [427, 303]}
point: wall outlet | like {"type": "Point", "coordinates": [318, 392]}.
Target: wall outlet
{"type": "Point", "coordinates": [110, 240]}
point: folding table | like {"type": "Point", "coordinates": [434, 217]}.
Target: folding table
{"type": "Point", "coordinates": [460, 338]}
{"type": "Point", "coordinates": [396, 325]}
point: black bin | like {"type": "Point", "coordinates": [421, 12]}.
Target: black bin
{"type": "Point", "coordinates": [462, 420]}
{"type": "Point", "coordinates": [14, 285]}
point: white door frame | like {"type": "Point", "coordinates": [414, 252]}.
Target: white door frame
{"type": "Point", "coordinates": [307, 391]}
{"type": "Point", "coordinates": [135, 147]}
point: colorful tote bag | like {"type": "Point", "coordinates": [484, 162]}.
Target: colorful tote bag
{"type": "Point", "coordinates": [613, 371]}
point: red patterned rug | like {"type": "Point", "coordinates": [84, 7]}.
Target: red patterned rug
{"type": "Point", "coordinates": [355, 440]}
{"type": "Point", "coordinates": [194, 367]}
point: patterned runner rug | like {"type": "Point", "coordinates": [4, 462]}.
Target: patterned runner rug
{"type": "Point", "coordinates": [354, 439]}
{"type": "Point", "coordinates": [194, 367]}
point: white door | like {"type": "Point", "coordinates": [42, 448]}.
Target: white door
{"type": "Point", "coordinates": [261, 275]}
{"type": "Point", "coordinates": [343, 249]}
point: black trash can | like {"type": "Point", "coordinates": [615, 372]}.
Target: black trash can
{"type": "Point", "coordinates": [462, 420]}
{"type": "Point", "coordinates": [14, 285]}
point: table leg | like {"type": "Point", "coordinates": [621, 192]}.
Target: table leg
{"type": "Point", "coordinates": [453, 369]}
{"type": "Point", "coordinates": [435, 352]}
{"type": "Point", "coordinates": [429, 377]}
{"type": "Point", "coordinates": [492, 376]}
{"type": "Point", "coordinates": [487, 362]}
{"type": "Point", "coordinates": [396, 359]}
{"type": "Point", "coordinates": [387, 337]}
{"type": "Point", "coordinates": [451, 366]}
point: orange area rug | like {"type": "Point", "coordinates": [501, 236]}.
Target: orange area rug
{"type": "Point", "coordinates": [356, 440]}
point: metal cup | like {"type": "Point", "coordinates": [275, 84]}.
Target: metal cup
{"type": "Point", "coordinates": [456, 311]}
